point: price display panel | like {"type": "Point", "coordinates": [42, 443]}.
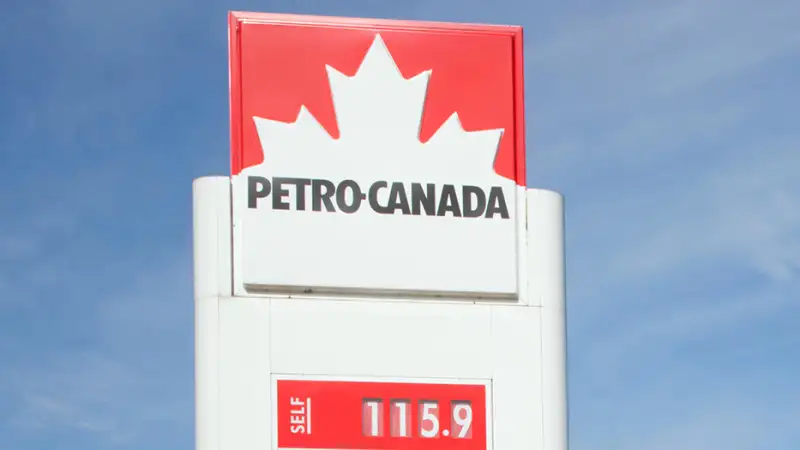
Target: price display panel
{"type": "Point", "coordinates": [345, 415]}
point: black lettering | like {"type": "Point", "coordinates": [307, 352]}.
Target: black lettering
{"type": "Point", "coordinates": [280, 193]}
{"type": "Point", "coordinates": [257, 187]}
{"type": "Point", "coordinates": [398, 199]}
{"type": "Point", "coordinates": [320, 196]}
{"type": "Point", "coordinates": [449, 201]}
{"type": "Point", "coordinates": [497, 203]}
{"type": "Point", "coordinates": [480, 196]}
{"type": "Point", "coordinates": [341, 199]}
{"type": "Point", "coordinates": [424, 200]}
{"type": "Point", "coordinates": [471, 203]}
{"type": "Point", "coordinates": [300, 192]}
{"type": "Point", "coordinates": [373, 198]}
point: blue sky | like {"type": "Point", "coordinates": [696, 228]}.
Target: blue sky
{"type": "Point", "coordinates": [670, 126]}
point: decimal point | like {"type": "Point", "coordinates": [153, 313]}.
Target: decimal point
{"type": "Point", "coordinates": [445, 433]}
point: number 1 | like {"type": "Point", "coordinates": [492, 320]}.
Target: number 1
{"type": "Point", "coordinates": [372, 418]}
{"type": "Point", "coordinates": [400, 418]}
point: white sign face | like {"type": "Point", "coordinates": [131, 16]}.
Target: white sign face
{"type": "Point", "coordinates": [374, 209]}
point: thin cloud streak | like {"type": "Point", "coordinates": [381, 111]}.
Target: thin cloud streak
{"type": "Point", "coordinates": [626, 89]}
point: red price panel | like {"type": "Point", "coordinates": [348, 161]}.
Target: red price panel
{"type": "Point", "coordinates": [344, 415]}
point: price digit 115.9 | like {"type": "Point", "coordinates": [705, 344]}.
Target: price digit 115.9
{"type": "Point", "coordinates": [429, 425]}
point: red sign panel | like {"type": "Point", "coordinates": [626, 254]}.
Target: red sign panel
{"type": "Point", "coordinates": [345, 415]}
{"type": "Point", "coordinates": [278, 64]}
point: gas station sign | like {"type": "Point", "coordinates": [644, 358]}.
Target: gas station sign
{"type": "Point", "coordinates": [374, 273]}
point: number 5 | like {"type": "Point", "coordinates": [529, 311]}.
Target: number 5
{"type": "Point", "coordinates": [429, 414]}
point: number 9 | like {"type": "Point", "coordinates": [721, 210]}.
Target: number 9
{"type": "Point", "coordinates": [462, 416]}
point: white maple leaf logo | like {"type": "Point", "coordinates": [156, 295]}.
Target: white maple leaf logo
{"type": "Point", "coordinates": [379, 114]}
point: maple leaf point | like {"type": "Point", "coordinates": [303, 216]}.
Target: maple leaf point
{"type": "Point", "coordinates": [378, 86]}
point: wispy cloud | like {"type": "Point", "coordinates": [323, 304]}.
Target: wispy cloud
{"type": "Point", "coordinates": [741, 211]}
{"type": "Point", "coordinates": [123, 383]}
{"type": "Point", "coordinates": [78, 392]}
{"type": "Point", "coordinates": [620, 89]}
{"type": "Point", "coordinates": [666, 48]}
{"type": "Point", "coordinates": [723, 422]}
{"type": "Point", "coordinates": [695, 175]}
